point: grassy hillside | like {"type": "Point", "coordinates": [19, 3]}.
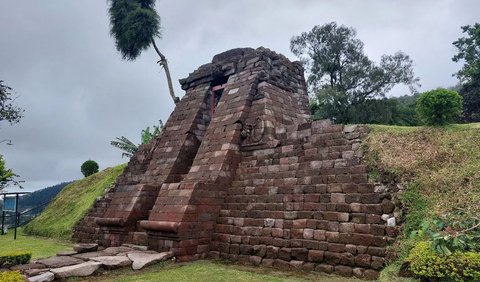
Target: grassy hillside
{"type": "Point", "coordinates": [440, 167]}
{"type": "Point", "coordinates": [71, 205]}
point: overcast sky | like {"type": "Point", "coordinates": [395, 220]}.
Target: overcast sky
{"type": "Point", "coordinates": [78, 94]}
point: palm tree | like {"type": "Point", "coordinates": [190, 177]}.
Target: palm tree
{"type": "Point", "coordinates": [134, 24]}
{"type": "Point", "coordinates": [129, 148]}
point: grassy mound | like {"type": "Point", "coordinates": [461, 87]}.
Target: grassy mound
{"type": "Point", "coordinates": [71, 205]}
{"type": "Point", "coordinates": [440, 165]}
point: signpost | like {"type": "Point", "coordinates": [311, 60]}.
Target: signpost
{"type": "Point", "coordinates": [10, 204]}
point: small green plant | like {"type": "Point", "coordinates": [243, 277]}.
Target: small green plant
{"type": "Point", "coordinates": [11, 276]}
{"type": "Point", "coordinates": [89, 167]}
{"type": "Point", "coordinates": [15, 258]}
{"type": "Point", "coordinates": [455, 231]}
{"type": "Point", "coordinates": [458, 266]}
{"type": "Point", "coordinates": [439, 107]}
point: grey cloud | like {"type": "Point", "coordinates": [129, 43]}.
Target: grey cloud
{"type": "Point", "coordinates": [78, 94]}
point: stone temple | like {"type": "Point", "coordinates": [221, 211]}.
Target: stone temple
{"type": "Point", "coordinates": [242, 173]}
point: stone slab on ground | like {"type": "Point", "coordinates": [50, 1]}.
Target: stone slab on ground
{"type": "Point", "coordinates": [112, 262]}
{"type": "Point", "coordinates": [113, 251]}
{"type": "Point", "coordinates": [56, 262]}
{"type": "Point", "coordinates": [83, 248]}
{"type": "Point", "coordinates": [136, 247]}
{"type": "Point", "coordinates": [142, 259]}
{"type": "Point", "coordinates": [35, 272]}
{"type": "Point", "coordinates": [23, 267]}
{"type": "Point", "coordinates": [67, 253]}
{"type": "Point", "coordinates": [45, 277]}
{"type": "Point", "coordinates": [90, 255]}
{"type": "Point", "coordinates": [83, 269]}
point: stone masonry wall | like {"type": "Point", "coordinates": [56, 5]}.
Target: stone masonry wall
{"type": "Point", "coordinates": [305, 204]}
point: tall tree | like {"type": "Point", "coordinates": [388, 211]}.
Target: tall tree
{"type": "Point", "coordinates": [12, 114]}
{"type": "Point", "coordinates": [468, 48]}
{"type": "Point", "coordinates": [341, 74]}
{"type": "Point", "coordinates": [135, 24]}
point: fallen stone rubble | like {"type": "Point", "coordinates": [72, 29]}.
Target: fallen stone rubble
{"type": "Point", "coordinates": [87, 259]}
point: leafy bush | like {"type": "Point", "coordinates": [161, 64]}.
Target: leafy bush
{"type": "Point", "coordinates": [89, 167]}
{"type": "Point", "coordinates": [15, 258]}
{"type": "Point", "coordinates": [439, 107]}
{"type": "Point", "coordinates": [11, 276]}
{"type": "Point", "coordinates": [455, 231]}
{"type": "Point", "coordinates": [459, 266]}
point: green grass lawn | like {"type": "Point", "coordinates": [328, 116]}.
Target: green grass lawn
{"type": "Point", "coordinates": [40, 247]}
{"type": "Point", "coordinates": [212, 272]}
{"type": "Point", "coordinates": [71, 205]}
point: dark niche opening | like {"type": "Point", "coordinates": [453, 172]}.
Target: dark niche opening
{"type": "Point", "coordinates": [217, 86]}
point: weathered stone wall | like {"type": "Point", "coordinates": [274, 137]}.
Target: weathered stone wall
{"type": "Point", "coordinates": [305, 204]}
{"type": "Point", "coordinates": [254, 181]}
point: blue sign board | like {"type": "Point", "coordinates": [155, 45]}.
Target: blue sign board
{"type": "Point", "coordinates": [9, 204]}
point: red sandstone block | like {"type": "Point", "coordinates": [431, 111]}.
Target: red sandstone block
{"type": "Point", "coordinates": [372, 208]}
{"type": "Point", "coordinates": [281, 264]}
{"type": "Point", "coordinates": [296, 264]}
{"type": "Point", "coordinates": [336, 248]}
{"type": "Point", "coordinates": [379, 241]}
{"type": "Point", "coordinates": [376, 251]}
{"type": "Point", "coordinates": [357, 217]}
{"type": "Point", "coordinates": [319, 235]}
{"type": "Point", "coordinates": [373, 218]}
{"type": "Point", "coordinates": [351, 249]}
{"type": "Point", "coordinates": [315, 256]}
{"type": "Point", "coordinates": [332, 237]}
{"type": "Point", "coordinates": [332, 258]}
{"type": "Point", "coordinates": [324, 268]}
{"type": "Point", "coordinates": [346, 228]}
{"type": "Point", "coordinates": [371, 274]}
{"type": "Point", "coordinates": [363, 239]}
{"type": "Point", "coordinates": [366, 188]}
{"type": "Point", "coordinates": [285, 254]}
{"type": "Point", "coordinates": [342, 270]}
{"type": "Point", "coordinates": [296, 233]}
{"type": "Point", "coordinates": [333, 226]}
{"type": "Point", "coordinates": [362, 228]}
{"type": "Point", "coordinates": [277, 232]}
{"type": "Point", "coordinates": [377, 229]}
{"type": "Point", "coordinates": [377, 262]}
{"type": "Point", "coordinates": [299, 223]}
{"type": "Point", "coordinates": [363, 260]}
{"type": "Point", "coordinates": [343, 207]}
{"type": "Point", "coordinates": [272, 252]}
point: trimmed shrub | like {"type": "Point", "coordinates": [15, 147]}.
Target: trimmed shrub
{"type": "Point", "coordinates": [439, 107]}
{"type": "Point", "coordinates": [15, 258]}
{"type": "Point", "coordinates": [11, 276]}
{"type": "Point", "coordinates": [459, 266]}
{"type": "Point", "coordinates": [89, 167]}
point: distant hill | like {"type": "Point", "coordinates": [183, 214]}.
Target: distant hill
{"type": "Point", "coordinates": [71, 204]}
{"type": "Point", "coordinates": [40, 197]}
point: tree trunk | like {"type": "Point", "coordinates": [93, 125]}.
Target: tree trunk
{"type": "Point", "coordinates": [163, 62]}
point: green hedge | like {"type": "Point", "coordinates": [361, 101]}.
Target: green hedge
{"type": "Point", "coordinates": [15, 258]}
{"type": "Point", "coordinates": [459, 266]}
{"type": "Point", "coordinates": [11, 276]}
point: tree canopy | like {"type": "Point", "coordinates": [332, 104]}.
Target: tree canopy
{"type": "Point", "coordinates": [468, 49]}
{"type": "Point", "coordinates": [469, 52]}
{"type": "Point", "coordinates": [8, 111]}
{"type": "Point", "coordinates": [89, 167]}
{"type": "Point", "coordinates": [341, 74]}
